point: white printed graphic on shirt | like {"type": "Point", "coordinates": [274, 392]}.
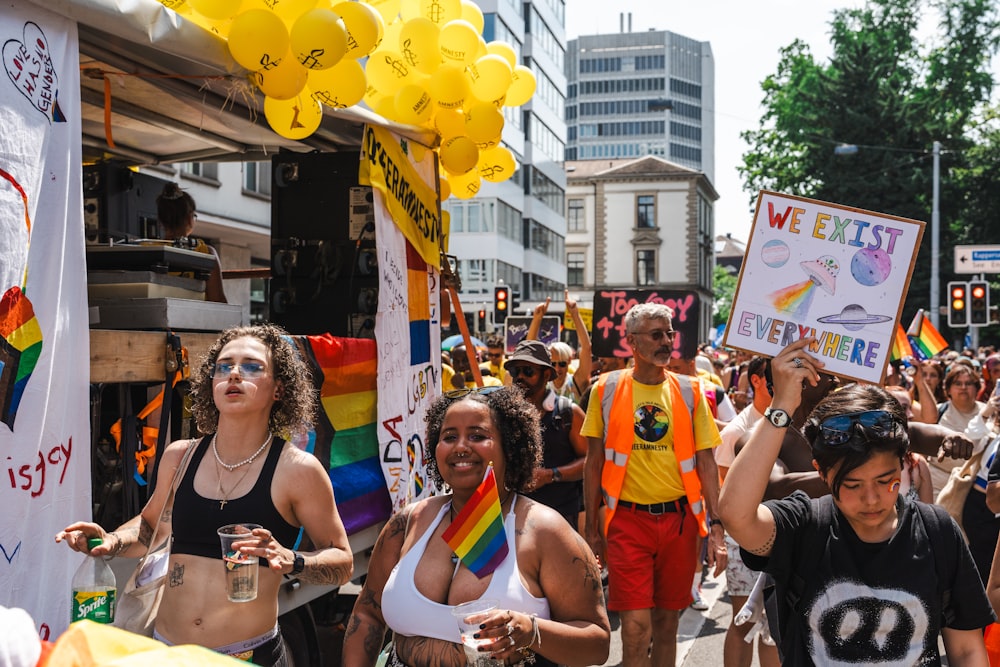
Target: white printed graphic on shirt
{"type": "Point", "coordinates": [855, 624]}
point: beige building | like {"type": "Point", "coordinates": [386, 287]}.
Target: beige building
{"type": "Point", "coordinates": [640, 223]}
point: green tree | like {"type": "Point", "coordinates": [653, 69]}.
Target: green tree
{"type": "Point", "coordinates": [886, 93]}
{"type": "Point", "coordinates": [724, 286]}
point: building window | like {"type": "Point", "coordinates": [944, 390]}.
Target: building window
{"type": "Point", "coordinates": [257, 177]}
{"type": "Point", "coordinates": [645, 267]}
{"type": "Point", "coordinates": [206, 170]}
{"type": "Point", "coordinates": [645, 212]}
{"type": "Point", "coordinates": [574, 268]}
{"type": "Point", "coordinates": [575, 220]}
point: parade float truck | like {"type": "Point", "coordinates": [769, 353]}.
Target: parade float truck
{"type": "Point", "coordinates": [155, 90]}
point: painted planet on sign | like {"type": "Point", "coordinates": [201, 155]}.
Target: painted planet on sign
{"type": "Point", "coordinates": [871, 266]}
{"type": "Point", "coordinates": [775, 253]}
{"type": "Point", "coordinates": [853, 318]}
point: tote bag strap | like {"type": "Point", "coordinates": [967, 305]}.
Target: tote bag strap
{"type": "Point", "coordinates": [169, 502]}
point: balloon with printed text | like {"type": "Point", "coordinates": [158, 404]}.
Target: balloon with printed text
{"type": "Point", "coordinates": [318, 39]}
{"type": "Point", "coordinates": [419, 44]}
{"type": "Point", "coordinates": [497, 164]}
{"type": "Point", "coordinates": [364, 26]}
{"type": "Point", "coordinates": [340, 86]}
{"type": "Point", "coordinates": [284, 81]}
{"type": "Point", "coordinates": [459, 42]}
{"type": "Point", "coordinates": [459, 155]}
{"type": "Point", "coordinates": [490, 77]}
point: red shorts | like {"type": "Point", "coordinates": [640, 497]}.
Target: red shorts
{"type": "Point", "coordinates": [651, 559]}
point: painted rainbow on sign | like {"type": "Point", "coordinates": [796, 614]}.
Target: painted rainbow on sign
{"type": "Point", "coordinates": [20, 347]}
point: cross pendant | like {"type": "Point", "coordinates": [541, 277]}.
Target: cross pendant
{"type": "Point", "coordinates": [222, 503]}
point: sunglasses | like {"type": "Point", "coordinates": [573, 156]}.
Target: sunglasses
{"type": "Point", "coordinates": [658, 334]}
{"type": "Point", "coordinates": [526, 371]}
{"type": "Point", "coordinates": [462, 393]}
{"type": "Point", "coordinates": [560, 364]}
{"type": "Point", "coordinates": [250, 370]}
{"type": "Point", "coordinates": [838, 430]}
{"type": "Point", "coordinates": [494, 355]}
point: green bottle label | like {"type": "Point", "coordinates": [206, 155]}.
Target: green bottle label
{"type": "Point", "coordinates": [97, 606]}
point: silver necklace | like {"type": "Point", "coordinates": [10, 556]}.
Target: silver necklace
{"type": "Point", "coordinates": [234, 466]}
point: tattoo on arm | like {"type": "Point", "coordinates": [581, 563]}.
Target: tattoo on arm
{"type": "Point", "coordinates": [168, 515]}
{"type": "Point", "coordinates": [765, 548]}
{"type": "Point", "coordinates": [317, 573]}
{"type": "Point", "coordinates": [177, 576]}
{"type": "Point", "coordinates": [145, 532]}
{"type": "Point", "coordinates": [591, 575]}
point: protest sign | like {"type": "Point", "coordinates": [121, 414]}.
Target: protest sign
{"type": "Point", "coordinates": [832, 272]}
{"type": "Point", "coordinates": [516, 328]}
{"type": "Point", "coordinates": [610, 305]}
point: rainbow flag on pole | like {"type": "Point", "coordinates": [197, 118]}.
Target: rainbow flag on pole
{"type": "Point", "coordinates": [925, 339]}
{"type": "Point", "coordinates": [900, 345]}
{"type": "Point", "coordinates": [477, 535]}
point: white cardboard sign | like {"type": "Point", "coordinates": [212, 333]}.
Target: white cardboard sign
{"type": "Point", "coordinates": [836, 273]}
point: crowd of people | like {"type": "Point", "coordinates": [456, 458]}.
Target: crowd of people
{"type": "Point", "coordinates": [622, 483]}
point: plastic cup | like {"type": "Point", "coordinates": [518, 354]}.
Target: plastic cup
{"type": "Point", "coordinates": [241, 569]}
{"type": "Point", "coordinates": [469, 616]}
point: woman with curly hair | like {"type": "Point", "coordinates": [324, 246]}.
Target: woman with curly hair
{"type": "Point", "coordinates": [250, 394]}
{"type": "Point", "coordinates": [551, 607]}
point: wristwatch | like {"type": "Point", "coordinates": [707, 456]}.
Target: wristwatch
{"type": "Point", "coordinates": [778, 417]}
{"type": "Point", "coordinates": [298, 564]}
{"type": "Point", "coordinates": [556, 475]}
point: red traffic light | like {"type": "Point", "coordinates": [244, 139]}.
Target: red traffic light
{"type": "Point", "coordinates": [958, 292]}
{"type": "Point", "coordinates": [978, 291]}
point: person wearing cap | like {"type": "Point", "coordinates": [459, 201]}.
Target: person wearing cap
{"type": "Point", "coordinates": [650, 456]}
{"type": "Point", "coordinates": [557, 483]}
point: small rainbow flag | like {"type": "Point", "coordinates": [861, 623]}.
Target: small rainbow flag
{"type": "Point", "coordinates": [477, 534]}
{"type": "Point", "coordinates": [900, 345]}
{"type": "Point", "coordinates": [925, 339]}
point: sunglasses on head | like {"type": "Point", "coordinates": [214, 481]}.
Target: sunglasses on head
{"type": "Point", "coordinates": [248, 369]}
{"type": "Point", "coordinates": [526, 371]}
{"type": "Point", "coordinates": [838, 430]}
{"type": "Point", "coordinates": [462, 393]}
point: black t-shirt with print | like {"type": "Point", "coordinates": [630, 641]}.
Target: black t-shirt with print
{"type": "Point", "coordinates": [863, 603]}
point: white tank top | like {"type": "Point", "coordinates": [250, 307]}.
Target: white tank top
{"type": "Point", "coordinates": [408, 612]}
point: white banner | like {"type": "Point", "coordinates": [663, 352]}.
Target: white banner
{"type": "Point", "coordinates": [44, 341]}
{"type": "Point", "coordinates": [408, 329]}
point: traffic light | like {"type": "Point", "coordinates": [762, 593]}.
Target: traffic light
{"type": "Point", "coordinates": [482, 319]}
{"type": "Point", "coordinates": [958, 304]}
{"type": "Point", "coordinates": [501, 304]}
{"type": "Point", "coordinates": [979, 302]}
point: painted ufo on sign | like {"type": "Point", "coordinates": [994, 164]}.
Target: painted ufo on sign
{"type": "Point", "coordinates": [822, 271]}
{"type": "Point", "coordinates": [853, 318]}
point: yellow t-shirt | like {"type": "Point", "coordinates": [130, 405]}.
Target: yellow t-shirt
{"type": "Point", "coordinates": [653, 474]}
{"type": "Point", "coordinates": [448, 373]}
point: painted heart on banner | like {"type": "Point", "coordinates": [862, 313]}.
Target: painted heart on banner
{"type": "Point", "coordinates": [20, 347]}
{"type": "Point", "coordinates": [29, 66]}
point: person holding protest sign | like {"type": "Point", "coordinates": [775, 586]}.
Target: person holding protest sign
{"type": "Point", "coordinates": [841, 554]}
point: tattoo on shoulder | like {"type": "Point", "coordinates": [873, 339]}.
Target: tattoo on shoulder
{"type": "Point", "coordinates": [367, 599]}
{"type": "Point", "coordinates": [177, 576]}
{"type": "Point", "coordinates": [591, 574]}
{"type": "Point", "coordinates": [765, 548]}
{"type": "Point", "coordinates": [145, 532]}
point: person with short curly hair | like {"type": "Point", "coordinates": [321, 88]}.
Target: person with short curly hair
{"type": "Point", "coordinates": [549, 601]}
{"type": "Point", "coordinates": [251, 393]}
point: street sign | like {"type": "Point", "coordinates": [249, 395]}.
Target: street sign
{"type": "Point", "coordinates": [977, 259]}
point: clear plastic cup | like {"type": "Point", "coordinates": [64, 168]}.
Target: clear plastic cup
{"type": "Point", "coordinates": [241, 569]}
{"type": "Point", "coordinates": [469, 616]}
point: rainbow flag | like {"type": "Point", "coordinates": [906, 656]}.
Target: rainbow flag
{"type": "Point", "coordinates": [20, 348]}
{"type": "Point", "coordinates": [345, 439]}
{"type": "Point", "coordinates": [925, 340]}
{"type": "Point", "coordinates": [477, 535]}
{"type": "Point", "coordinates": [900, 345]}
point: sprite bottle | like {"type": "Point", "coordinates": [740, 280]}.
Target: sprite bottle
{"type": "Point", "coordinates": [94, 589]}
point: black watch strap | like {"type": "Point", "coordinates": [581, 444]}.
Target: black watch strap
{"type": "Point", "coordinates": [299, 563]}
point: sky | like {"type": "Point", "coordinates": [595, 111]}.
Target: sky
{"type": "Point", "coordinates": [745, 38]}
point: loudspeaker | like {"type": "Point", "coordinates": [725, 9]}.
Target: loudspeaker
{"type": "Point", "coordinates": [324, 267]}
{"type": "Point", "coordinates": [118, 203]}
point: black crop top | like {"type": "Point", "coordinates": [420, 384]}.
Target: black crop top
{"type": "Point", "coordinates": [196, 519]}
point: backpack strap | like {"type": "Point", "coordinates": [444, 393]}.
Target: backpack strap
{"type": "Point", "coordinates": [562, 413]}
{"type": "Point", "coordinates": [944, 558]}
{"type": "Point", "coordinates": [942, 408]}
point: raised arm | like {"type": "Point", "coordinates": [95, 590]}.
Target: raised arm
{"type": "Point", "coordinates": [749, 522]}
{"type": "Point", "coordinates": [925, 396]}
{"type": "Point", "coordinates": [582, 372]}
{"type": "Point", "coordinates": [536, 319]}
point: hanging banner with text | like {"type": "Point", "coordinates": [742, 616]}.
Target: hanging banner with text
{"type": "Point", "coordinates": [610, 305]}
{"type": "Point", "coordinates": [832, 272]}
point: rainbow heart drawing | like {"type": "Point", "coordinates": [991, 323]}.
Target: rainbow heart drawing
{"type": "Point", "coordinates": [20, 347]}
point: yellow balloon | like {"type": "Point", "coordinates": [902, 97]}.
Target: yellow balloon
{"type": "Point", "coordinates": [449, 87]}
{"type": "Point", "coordinates": [459, 155]}
{"type": "Point", "coordinates": [364, 27]}
{"type": "Point", "coordinates": [389, 9]}
{"type": "Point", "coordinates": [340, 86]}
{"type": "Point", "coordinates": [459, 42]}
{"type": "Point", "coordinates": [490, 77]}
{"type": "Point", "coordinates": [497, 164]}
{"type": "Point", "coordinates": [445, 188]}
{"type": "Point", "coordinates": [484, 124]}
{"type": "Point", "coordinates": [219, 27]}
{"type": "Point", "coordinates": [373, 96]}
{"type": "Point", "coordinates": [465, 186]}
{"type": "Point", "coordinates": [386, 107]}
{"type": "Point", "coordinates": [258, 39]}
{"type": "Point", "coordinates": [390, 38]}
{"type": "Point", "coordinates": [473, 14]}
{"type": "Point", "coordinates": [441, 11]}
{"type": "Point", "coordinates": [284, 81]}
{"type": "Point", "coordinates": [504, 49]}
{"type": "Point", "coordinates": [388, 71]}
{"type": "Point", "coordinates": [216, 9]}
{"type": "Point", "coordinates": [522, 87]}
{"type": "Point", "coordinates": [181, 7]}
{"type": "Point", "coordinates": [296, 118]}
{"type": "Point", "coordinates": [419, 44]}
{"type": "Point", "coordinates": [449, 123]}
{"type": "Point", "coordinates": [413, 104]}
{"type": "Point", "coordinates": [318, 39]}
